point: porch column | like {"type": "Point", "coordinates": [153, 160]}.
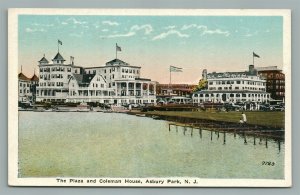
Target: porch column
{"type": "Point", "coordinates": [134, 89]}
{"type": "Point", "coordinates": [142, 92]}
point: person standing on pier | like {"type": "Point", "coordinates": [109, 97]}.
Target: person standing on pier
{"type": "Point", "coordinates": [244, 117]}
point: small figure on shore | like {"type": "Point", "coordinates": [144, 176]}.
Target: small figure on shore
{"type": "Point", "coordinates": [244, 117]}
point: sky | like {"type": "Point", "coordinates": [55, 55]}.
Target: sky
{"type": "Point", "coordinates": [193, 43]}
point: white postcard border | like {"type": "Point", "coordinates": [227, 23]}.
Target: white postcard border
{"type": "Point", "coordinates": [13, 99]}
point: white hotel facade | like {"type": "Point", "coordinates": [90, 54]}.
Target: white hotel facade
{"type": "Point", "coordinates": [116, 82]}
{"type": "Point", "coordinates": [233, 87]}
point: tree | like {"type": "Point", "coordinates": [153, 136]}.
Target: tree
{"type": "Point", "coordinates": [201, 85]}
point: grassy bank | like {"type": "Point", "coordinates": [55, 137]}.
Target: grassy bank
{"type": "Point", "coordinates": [271, 119]}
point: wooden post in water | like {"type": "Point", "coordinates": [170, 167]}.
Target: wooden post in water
{"type": "Point", "coordinates": [254, 143]}
{"type": "Point", "coordinates": [260, 139]}
{"type": "Point", "coordinates": [279, 145]}
{"type": "Point", "coordinates": [224, 138]}
{"type": "Point", "coordinates": [176, 128]}
{"type": "Point", "coordinates": [234, 133]}
{"type": "Point", "coordinates": [184, 129]}
{"type": "Point", "coordinates": [211, 135]}
{"type": "Point", "coordinates": [169, 127]}
{"type": "Point", "coordinates": [192, 131]}
{"type": "Point", "coordinates": [266, 142]}
{"type": "Point", "coordinates": [245, 139]}
{"type": "Point", "coordinates": [218, 134]}
{"type": "Point", "coordinates": [200, 132]}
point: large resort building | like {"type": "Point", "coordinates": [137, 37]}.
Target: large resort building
{"type": "Point", "coordinates": [233, 87]}
{"type": "Point", "coordinates": [27, 88]}
{"type": "Point", "coordinates": [117, 82]}
{"type": "Point", "coordinates": [275, 81]}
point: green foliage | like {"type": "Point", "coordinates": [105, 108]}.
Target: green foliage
{"type": "Point", "coordinates": [201, 85]}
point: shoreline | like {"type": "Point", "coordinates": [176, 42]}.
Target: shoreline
{"type": "Point", "coordinates": [215, 125]}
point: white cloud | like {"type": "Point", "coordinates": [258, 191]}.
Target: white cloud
{"type": "Point", "coordinates": [64, 23]}
{"type": "Point", "coordinates": [216, 31]}
{"type": "Point", "coordinates": [170, 32]}
{"type": "Point", "coordinates": [110, 23]}
{"type": "Point", "coordinates": [31, 30]}
{"type": "Point", "coordinates": [43, 25]}
{"type": "Point", "coordinates": [129, 34]}
{"type": "Point", "coordinates": [186, 27]}
{"type": "Point", "coordinates": [169, 27]}
{"type": "Point", "coordinates": [104, 30]}
{"type": "Point", "coordinates": [76, 21]}
{"type": "Point", "coordinates": [147, 28]}
{"type": "Point", "coordinates": [205, 30]}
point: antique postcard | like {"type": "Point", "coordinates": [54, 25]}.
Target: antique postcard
{"type": "Point", "coordinates": [149, 98]}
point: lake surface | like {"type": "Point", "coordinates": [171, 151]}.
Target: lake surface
{"type": "Point", "coordinates": [95, 144]}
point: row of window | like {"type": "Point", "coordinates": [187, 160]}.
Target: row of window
{"type": "Point", "coordinates": [51, 84]}
{"type": "Point", "coordinates": [237, 88]}
{"type": "Point", "coordinates": [125, 70]}
{"type": "Point", "coordinates": [235, 82]}
{"type": "Point", "coordinates": [59, 69]}
{"type": "Point", "coordinates": [24, 91]}
{"type": "Point", "coordinates": [24, 85]}
{"type": "Point", "coordinates": [91, 93]}
{"type": "Point", "coordinates": [232, 95]}
{"type": "Point", "coordinates": [276, 87]}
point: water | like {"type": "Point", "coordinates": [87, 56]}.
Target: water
{"type": "Point", "coordinates": [94, 144]}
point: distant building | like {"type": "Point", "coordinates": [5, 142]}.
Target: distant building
{"type": "Point", "coordinates": [233, 87]}
{"type": "Point", "coordinates": [175, 89]}
{"type": "Point", "coordinates": [275, 81]}
{"type": "Point", "coordinates": [27, 88]}
{"type": "Point", "coordinates": [117, 82]}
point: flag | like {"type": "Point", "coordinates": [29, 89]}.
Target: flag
{"type": "Point", "coordinates": [255, 55]}
{"type": "Point", "coordinates": [118, 48]}
{"type": "Point", "coordinates": [59, 42]}
{"type": "Point", "coordinates": [175, 69]}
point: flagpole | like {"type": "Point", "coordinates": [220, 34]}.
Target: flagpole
{"type": "Point", "coordinates": [170, 80]}
{"type": "Point", "coordinates": [253, 58]}
{"type": "Point", "coordinates": [116, 52]}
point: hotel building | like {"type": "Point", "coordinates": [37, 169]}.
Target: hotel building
{"type": "Point", "coordinates": [27, 88]}
{"type": "Point", "coordinates": [275, 81]}
{"type": "Point", "coordinates": [233, 87]}
{"type": "Point", "coordinates": [117, 82]}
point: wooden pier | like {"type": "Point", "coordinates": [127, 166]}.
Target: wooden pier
{"type": "Point", "coordinates": [255, 131]}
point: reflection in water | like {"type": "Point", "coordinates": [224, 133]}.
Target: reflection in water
{"type": "Point", "coordinates": [119, 145]}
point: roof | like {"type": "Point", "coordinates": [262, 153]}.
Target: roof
{"type": "Point", "coordinates": [44, 60]}
{"type": "Point", "coordinates": [58, 57]}
{"type": "Point", "coordinates": [34, 78]}
{"type": "Point", "coordinates": [21, 76]}
{"type": "Point", "coordinates": [116, 62]}
{"type": "Point", "coordinates": [224, 91]}
{"type": "Point", "coordinates": [231, 74]}
{"type": "Point", "coordinates": [84, 78]}
{"type": "Point", "coordinates": [142, 79]}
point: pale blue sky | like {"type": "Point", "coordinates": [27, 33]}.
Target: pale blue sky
{"type": "Point", "coordinates": [217, 43]}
